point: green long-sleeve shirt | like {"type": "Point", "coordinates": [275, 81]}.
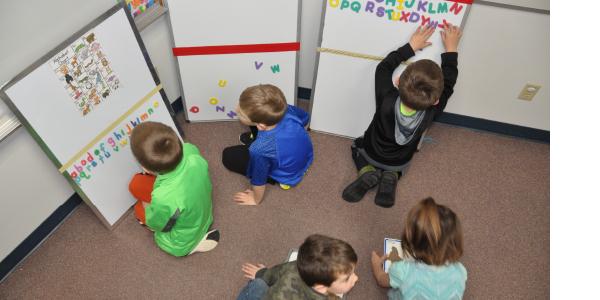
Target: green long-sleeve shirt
{"type": "Point", "coordinates": [181, 209]}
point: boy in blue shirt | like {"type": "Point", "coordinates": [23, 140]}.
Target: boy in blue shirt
{"type": "Point", "coordinates": [281, 151]}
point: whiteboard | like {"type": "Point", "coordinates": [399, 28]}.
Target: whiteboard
{"type": "Point", "coordinates": [83, 120]}
{"type": "Point", "coordinates": [343, 101]}
{"type": "Point", "coordinates": [211, 83]}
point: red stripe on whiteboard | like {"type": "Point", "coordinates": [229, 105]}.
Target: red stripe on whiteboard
{"type": "Point", "coordinates": [462, 1]}
{"type": "Point", "coordinates": [231, 49]}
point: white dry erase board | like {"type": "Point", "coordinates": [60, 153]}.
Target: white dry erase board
{"type": "Point", "coordinates": [355, 36]}
{"type": "Point", "coordinates": [223, 47]}
{"type": "Point", "coordinates": [80, 102]}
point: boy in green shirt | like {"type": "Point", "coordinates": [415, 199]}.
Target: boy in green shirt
{"type": "Point", "coordinates": [179, 206]}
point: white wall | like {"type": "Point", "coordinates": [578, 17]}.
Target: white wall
{"type": "Point", "coordinates": [502, 49]}
{"type": "Point", "coordinates": [30, 186]}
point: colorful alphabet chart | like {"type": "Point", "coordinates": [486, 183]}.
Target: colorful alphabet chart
{"type": "Point", "coordinates": [223, 47]}
{"type": "Point", "coordinates": [81, 102]}
{"type": "Point", "coordinates": [357, 34]}
{"type": "Point", "coordinates": [85, 72]}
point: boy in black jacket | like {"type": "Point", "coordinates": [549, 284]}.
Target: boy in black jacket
{"type": "Point", "coordinates": [402, 114]}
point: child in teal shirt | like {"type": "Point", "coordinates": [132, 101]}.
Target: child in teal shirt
{"type": "Point", "coordinates": [431, 246]}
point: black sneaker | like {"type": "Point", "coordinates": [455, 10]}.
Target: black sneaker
{"type": "Point", "coordinates": [357, 189]}
{"type": "Point", "coordinates": [214, 235]}
{"type": "Point", "coordinates": [246, 138]}
{"type": "Point", "coordinates": [386, 193]}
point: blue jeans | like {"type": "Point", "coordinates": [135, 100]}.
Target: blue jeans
{"type": "Point", "coordinates": [254, 290]}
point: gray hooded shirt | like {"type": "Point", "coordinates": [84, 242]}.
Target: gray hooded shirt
{"type": "Point", "coordinates": [406, 126]}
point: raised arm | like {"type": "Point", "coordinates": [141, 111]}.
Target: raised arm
{"type": "Point", "coordinates": [450, 37]}
{"type": "Point", "coordinates": [385, 69]}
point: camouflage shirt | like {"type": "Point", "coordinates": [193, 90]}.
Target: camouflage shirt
{"type": "Point", "coordinates": [285, 283]}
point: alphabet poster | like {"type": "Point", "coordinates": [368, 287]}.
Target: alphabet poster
{"type": "Point", "coordinates": [85, 71]}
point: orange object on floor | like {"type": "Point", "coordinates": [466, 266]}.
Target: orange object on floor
{"type": "Point", "coordinates": [140, 187]}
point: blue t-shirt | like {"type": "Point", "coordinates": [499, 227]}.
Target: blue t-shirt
{"type": "Point", "coordinates": [411, 280]}
{"type": "Point", "coordinates": [283, 153]}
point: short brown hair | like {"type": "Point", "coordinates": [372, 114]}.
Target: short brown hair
{"type": "Point", "coordinates": [156, 147]}
{"type": "Point", "coordinates": [263, 103]}
{"type": "Point", "coordinates": [432, 234]}
{"type": "Point", "coordinates": [421, 84]}
{"type": "Point", "coordinates": [322, 259]}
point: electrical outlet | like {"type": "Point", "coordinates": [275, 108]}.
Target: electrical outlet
{"type": "Point", "coordinates": [529, 91]}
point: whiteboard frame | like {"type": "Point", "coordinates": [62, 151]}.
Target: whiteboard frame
{"type": "Point", "coordinates": [48, 56]}
{"type": "Point", "coordinates": [185, 107]}
{"type": "Point", "coordinates": [316, 70]}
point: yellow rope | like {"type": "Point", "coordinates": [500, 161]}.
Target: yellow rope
{"type": "Point", "coordinates": [353, 54]}
{"type": "Point", "coordinates": [109, 128]}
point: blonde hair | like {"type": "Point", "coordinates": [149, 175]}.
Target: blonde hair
{"type": "Point", "coordinates": [432, 234]}
{"type": "Point", "coordinates": [263, 103]}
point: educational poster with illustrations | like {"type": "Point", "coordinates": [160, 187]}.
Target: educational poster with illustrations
{"type": "Point", "coordinates": [356, 36]}
{"type": "Point", "coordinates": [85, 71]}
{"type": "Point", "coordinates": [90, 145]}
{"type": "Point", "coordinates": [218, 58]}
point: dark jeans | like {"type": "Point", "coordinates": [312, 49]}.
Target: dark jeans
{"type": "Point", "coordinates": [236, 159]}
{"type": "Point", "coordinates": [359, 161]}
{"type": "Point", "coordinates": [254, 290]}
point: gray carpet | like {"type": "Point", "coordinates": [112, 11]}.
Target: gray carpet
{"type": "Point", "coordinates": [499, 186]}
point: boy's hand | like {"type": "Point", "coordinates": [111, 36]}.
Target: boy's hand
{"type": "Point", "coordinates": [245, 198]}
{"type": "Point", "coordinates": [450, 37]}
{"type": "Point", "coordinates": [250, 270]}
{"type": "Point", "coordinates": [376, 260]}
{"type": "Point", "coordinates": [419, 39]}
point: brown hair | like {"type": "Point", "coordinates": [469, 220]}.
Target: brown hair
{"type": "Point", "coordinates": [432, 234]}
{"type": "Point", "coordinates": [263, 103]}
{"type": "Point", "coordinates": [156, 147]}
{"type": "Point", "coordinates": [321, 259]}
{"type": "Point", "coordinates": [421, 84]}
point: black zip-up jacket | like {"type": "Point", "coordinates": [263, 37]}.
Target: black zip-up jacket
{"type": "Point", "coordinates": [380, 139]}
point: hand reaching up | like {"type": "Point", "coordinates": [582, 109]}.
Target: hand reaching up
{"type": "Point", "coordinates": [450, 37]}
{"type": "Point", "coordinates": [418, 40]}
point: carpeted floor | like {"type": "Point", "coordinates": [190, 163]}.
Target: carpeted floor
{"type": "Point", "coordinates": [499, 186]}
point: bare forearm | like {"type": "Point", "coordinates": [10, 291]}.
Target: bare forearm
{"type": "Point", "coordinates": [382, 278]}
{"type": "Point", "coordinates": [259, 192]}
